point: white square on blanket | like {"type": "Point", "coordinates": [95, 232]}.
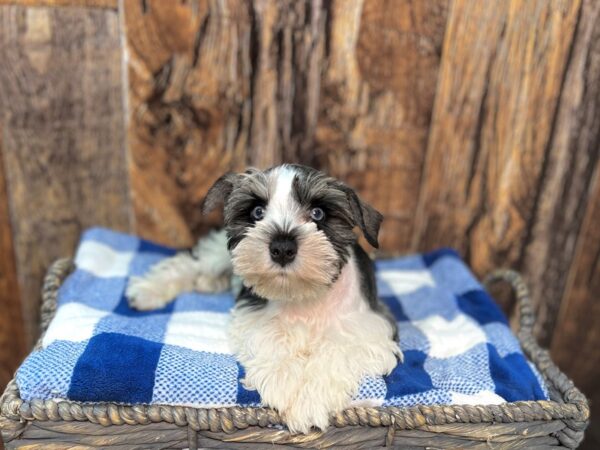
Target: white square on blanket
{"type": "Point", "coordinates": [73, 322]}
{"type": "Point", "coordinates": [102, 260]}
{"type": "Point", "coordinates": [406, 281]}
{"type": "Point", "coordinates": [448, 338]}
{"type": "Point", "coordinates": [204, 331]}
{"type": "Point", "coordinates": [484, 397]}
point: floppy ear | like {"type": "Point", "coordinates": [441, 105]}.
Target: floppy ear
{"type": "Point", "coordinates": [218, 193]}
{"type": "Point", "coordinates": [366, 217]}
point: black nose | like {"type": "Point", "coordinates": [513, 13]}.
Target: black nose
{"type": "Point", "coordinates": [283, 249]}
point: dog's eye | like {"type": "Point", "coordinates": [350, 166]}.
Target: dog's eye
{"type": "Point", "coordinates": [258, 213]}
{"type": "Point", "coordinates": [317, 214]}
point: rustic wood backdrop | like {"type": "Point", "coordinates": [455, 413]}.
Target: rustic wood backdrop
{"type": "Point", "coordinates": [470, 124]}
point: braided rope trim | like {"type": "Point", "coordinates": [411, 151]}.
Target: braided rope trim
{"type": "Point", "coordinates": [569, 404]}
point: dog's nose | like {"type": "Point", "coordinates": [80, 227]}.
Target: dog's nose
{"type": "Point", "coordinates": [283, 249]}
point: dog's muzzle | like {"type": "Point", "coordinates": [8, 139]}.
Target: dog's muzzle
{"type": "Point", "coordinates": [283, 249]}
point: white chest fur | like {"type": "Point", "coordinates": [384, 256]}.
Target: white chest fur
{"type": "Point", "coordinates": [307, 359]}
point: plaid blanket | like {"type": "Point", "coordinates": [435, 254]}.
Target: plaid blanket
{"type": "Point", "coordinates": [456, 342]}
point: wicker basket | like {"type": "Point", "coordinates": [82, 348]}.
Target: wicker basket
{"type": "Point", "coordinates": [49, 424]}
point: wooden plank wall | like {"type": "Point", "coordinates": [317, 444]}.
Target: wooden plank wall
{"type": "Point", "coordinates": [219, 86]}
{"type": "Point", "coordinates": [63, 135]}
{"type": "Point", "coordinates": [12, 336]}
{"type": "Point", "coordinates": [466, 125]}
{"type": "Point", "coordinates": [499, 149]}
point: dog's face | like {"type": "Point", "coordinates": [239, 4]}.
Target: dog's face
{"type": "Point", "coordinates": [290, 228]}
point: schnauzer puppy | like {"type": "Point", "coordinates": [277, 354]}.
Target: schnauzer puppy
{"type": "Point", "coordinates": [308, 325]}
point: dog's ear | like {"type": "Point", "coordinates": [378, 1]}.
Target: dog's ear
{"type": "Point", "coordinates": [219, 192]}
{"type": "Point", "coordinates": [366, 217]}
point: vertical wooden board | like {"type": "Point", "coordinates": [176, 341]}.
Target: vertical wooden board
{"type": "Point", "coordinates": [63, 134]}
{"type": "Point", "coordinates": [288, 57]}
{"type": "Point", "coordinates": [565, 189]}
{"type": "Point", "coordinates": [344, 86]}
{"type": "Point", "coordinates": [12, 335]}
{"type": "Point", "coordinates": [214, 87]}
{"type": "Point", "coordinates": [575, 338]}
{"type": "Point", "coordinates": [501, 78]}
{"type": "Point", "coordinates": [111, 4]}
{"type": "Point", "coordinates": [376, 100]}
{"type": "Point", "coordinates": [189, 103]}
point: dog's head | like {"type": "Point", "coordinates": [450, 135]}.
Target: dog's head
{"type": "Point", "coordinates": [290, 228]}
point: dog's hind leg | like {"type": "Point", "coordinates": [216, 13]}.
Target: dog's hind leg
{"type": "Point", "coordinates": [206, 268]}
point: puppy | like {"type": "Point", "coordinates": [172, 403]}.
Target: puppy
{"type": "Point", "coordinates": [307, 325]}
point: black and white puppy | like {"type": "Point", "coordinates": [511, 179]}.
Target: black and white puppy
{"type": "Point", "coordinates": [308, 325]}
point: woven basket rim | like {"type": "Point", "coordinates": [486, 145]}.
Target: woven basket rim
{"type": "Point", "coordinates": [569, 404]}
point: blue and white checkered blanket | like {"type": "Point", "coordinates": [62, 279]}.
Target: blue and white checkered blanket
{"type": "Point", "coordinates": [456, 342]}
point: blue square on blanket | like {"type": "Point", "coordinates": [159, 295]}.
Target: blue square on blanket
{"type": "Point", "coordinates": [466, 373]}
{"type": "Point", "coordinates": [218, 302]}
{"type": "Point", "coordinates": [214, 376]}
{"type": "Point", "coordinates": [115, 368]}
{"type": "Point", "coordinates": [412, 338]}
{"type": "Point", "coordinates": [513, 378]}
{"type": "Point", "coordinates": [453, 276]}
{"type": "Point", "coordinates": [503, 340]}
{"type": "Point", "coordinates": [88, 289]}
{"type": "Point", "coordinates": [427, 301]}
{"type": "Point", "coordinates": [475, 303]}
{"type": "Point", "coordinates": [47, 374]}
{"type": "Point", "coordinates": [456, 341]}
{"type": "Point", "coordinates": [151, 327]}
{"type": "Point", "coordinates": [411, 369]}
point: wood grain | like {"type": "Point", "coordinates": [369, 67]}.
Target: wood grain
{"type": "Point", "coordinates": [215, 87]}
{"type": "Point", "coordinates": [110, 4]}
{"type": "Point", "coordinates": [212, 88]}
{"type": "Point", "coordinates": [190, 109]}
{"type": "Point", "coordinates": [492, 163]}
{"type": "Point", "coordinates": [63, 135]}
{"type": "Point", "coordinates": [575, 338]}
{"type": "Point", "coordinates": [12, 339]}
{"type": "Point", "coordinates": [566, 189]}
{"type": "Point", "coordinates": [218, 86]}
{"type": "Point", "coordinates": [377, 96]}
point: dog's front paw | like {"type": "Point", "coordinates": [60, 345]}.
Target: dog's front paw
{"type": "Point", "coordinates": [305, 414]}
{"type": "Point", "coordinates": [145, 294]}
{"type": "Point", "coordinates": [323, 393]}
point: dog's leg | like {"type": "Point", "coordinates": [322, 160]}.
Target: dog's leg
{"type": "Point", "coordinates": [272, 363]}
{"type": "Point", "coordinates": [277, 380]}
{"type": "Point", "coordinates": [207, 268]}
{"type": "Point", "coordinates": [327, 387]}
{"type": "Point", "coordinates": [163, 282]}
{"type": "Point", "coordinates": [299, 384]}
{"type": "Point", "coordinates": [335, 369]}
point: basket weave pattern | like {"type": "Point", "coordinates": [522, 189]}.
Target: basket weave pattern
{"type": "Point", "coordinates": [558, 422]}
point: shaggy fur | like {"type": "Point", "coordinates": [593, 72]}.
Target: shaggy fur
{"type": "Point", "coordinates": [309, 329]}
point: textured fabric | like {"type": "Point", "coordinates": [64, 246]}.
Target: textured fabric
{"type": "Point", "coordinates": [456, 342]}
